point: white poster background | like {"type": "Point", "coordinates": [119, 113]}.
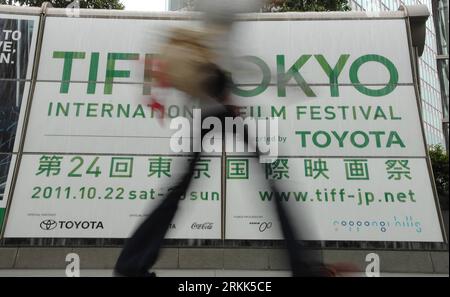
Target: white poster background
{"type": "Point", "coordinates": [119, 217]}
{"type": "Point", "coordinates": [101, 133]}
{"type": "Point", "coordinates": [289, 38]}
{"type": "Point", "coordinates": [317, 219]}
{"type": "Point", "coordinates": [396, 112]}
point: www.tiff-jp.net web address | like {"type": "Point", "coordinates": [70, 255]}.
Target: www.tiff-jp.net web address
{"type": "Point", "coordinates": [360, 197]}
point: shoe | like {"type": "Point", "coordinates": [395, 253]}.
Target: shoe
{"type": "Point", "coordinates": [121, 274]}
{"type": "Point", "coordinates": [338, 269]}
{"type": "Point", "coordinates": [320, 270]}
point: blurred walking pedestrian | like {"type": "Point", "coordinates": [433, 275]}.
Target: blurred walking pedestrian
{"type": "Point", "coordinates": [194, 61]}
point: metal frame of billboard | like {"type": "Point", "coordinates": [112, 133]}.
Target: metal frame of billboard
{"type": "Point", "coordinates": [414, 16]}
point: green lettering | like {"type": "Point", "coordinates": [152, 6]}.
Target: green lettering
{"type": "Point", "coordinates": [293, 72]}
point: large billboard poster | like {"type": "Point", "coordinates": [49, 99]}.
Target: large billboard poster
{"type": "Point", "coordinates": [17, 46]}
{"type": "Point", "coordinates": [105, 196]}
{"type": "Point", "coordinates": [352, 162]}
{"type": "Point", "coordinates": [96, 158]}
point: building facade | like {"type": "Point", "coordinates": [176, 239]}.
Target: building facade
{"type": "Point", "coordinates": [440, 10]}
{"type": "Point", "coordinates": [178, 4]}
{"type": "Point", "coordinates": [222, 252]}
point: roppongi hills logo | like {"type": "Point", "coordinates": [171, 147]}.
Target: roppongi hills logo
{"type": "Point", "coordinates": [262, 135]}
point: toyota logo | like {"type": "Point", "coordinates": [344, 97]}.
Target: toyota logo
{"type": "Point", "coordinates": [48, 225]}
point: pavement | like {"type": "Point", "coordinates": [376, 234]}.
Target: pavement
{"type": "Point", "coordinates": [186, 273]}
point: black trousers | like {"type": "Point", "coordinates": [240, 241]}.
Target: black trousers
{"type": "Point", "coordinates": [142, 249]}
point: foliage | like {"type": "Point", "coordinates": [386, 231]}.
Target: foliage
{"type": "Point", "coordinates": [100, 4]}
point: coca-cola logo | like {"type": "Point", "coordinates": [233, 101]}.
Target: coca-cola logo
{"type": "Point", "coordinates": [202, 226]}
